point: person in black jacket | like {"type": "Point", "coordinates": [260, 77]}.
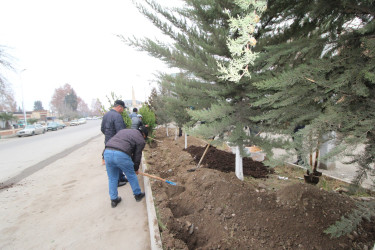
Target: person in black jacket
{"type": "Point", "coordinates": [123, 152]}
{"type": "Point", "coordinates": [112, 123]}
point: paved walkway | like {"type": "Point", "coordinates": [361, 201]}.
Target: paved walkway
{"type": "Point", "coordinates": [66, 205]}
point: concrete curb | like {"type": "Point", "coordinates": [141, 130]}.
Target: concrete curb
{"type": "Point", "coordinates": [155, 237]}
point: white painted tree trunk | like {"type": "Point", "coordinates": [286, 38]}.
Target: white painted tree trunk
{"type": "Point", "coordinates": [239, 164]}
{"type": "Point", "coordinates": [185, 141]}
{"type": "Point", "coordinates": [325, 148]}
{"type": "Point", "coordinates": [166, 126]}
{"type": "Point", "coordinates": [175, 134]}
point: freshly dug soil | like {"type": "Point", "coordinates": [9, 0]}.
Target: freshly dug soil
{"type": "Point", "coordinates": [225, 161]}
{"type": "Point", "coordinates": [211, 208]}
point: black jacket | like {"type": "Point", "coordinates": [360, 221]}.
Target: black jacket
{"type": "Point", "coordinates": [112, 123]}
{"type": "Point", "coordinates": [131, 142]}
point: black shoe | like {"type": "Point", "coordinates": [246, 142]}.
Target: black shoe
{"type": "Point", "coordinates": [123, 179]}
{"type": "Point", "coordinates": [121, 183]}
{"type": "Point", "coordinates": [115, 202]}
{"type": "Point", "coordinates": [139, 197]}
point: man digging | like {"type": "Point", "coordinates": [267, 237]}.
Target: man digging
{"type": "Point", "coordinates": [124, 152]}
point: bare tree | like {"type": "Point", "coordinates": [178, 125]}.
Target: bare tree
{"type": "Point", "coordinates": [7, 101]}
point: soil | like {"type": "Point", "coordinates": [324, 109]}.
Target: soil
{"type": "Point", "coordinates": [225, 161]}
{"type": "Point", "coordinates": [211, 208]}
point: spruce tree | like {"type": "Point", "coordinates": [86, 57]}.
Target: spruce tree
{"type": "Point", "coordinates": [199, 32]}
{"type": "Point", "coordinates": [317, 69]}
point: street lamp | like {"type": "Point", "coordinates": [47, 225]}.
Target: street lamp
{"type": "Point", "coordinates": [23, 106]}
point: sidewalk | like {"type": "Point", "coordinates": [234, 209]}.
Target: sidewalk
{"type": "Point", "coordinates": [66, 206]}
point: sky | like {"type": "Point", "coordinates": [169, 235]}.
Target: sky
{"type": "Point", "coordinates": [75, 42]}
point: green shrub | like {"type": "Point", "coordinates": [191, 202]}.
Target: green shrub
{"type": "Point", "coordinates": [148, 118]}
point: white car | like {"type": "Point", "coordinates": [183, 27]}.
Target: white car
{"type": "Point", "coordinates": [31, 130]}
{"type": "Point", "coordinates": [82, 121]}
{"type": "Point", "coordinates": [74, 123]}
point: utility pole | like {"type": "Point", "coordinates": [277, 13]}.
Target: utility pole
{"type": "Point", "coordinates": [23, 106]}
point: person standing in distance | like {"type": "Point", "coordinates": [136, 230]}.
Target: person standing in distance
{"type": "Point", "coordinates": [111, 124]}
{"type": "Point", "coordinates": [123, 152]}
{"type": "Point", "coordinates": [134, 114]}
{"type": "Point", "coordinates": [137, 122]}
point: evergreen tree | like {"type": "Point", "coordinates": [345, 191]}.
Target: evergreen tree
{"type": "Point", "coordinates": [157, 105]}
{"type": "Point", "coordinates": [148, 118]}
{"type": "Point", "coordinates": [38, 106]}
{"type": "Point", "coordinates": [317, 69]}
{"type": "Point", "coordinates": [71, 101]}
{"type": "Point", "coordinates": [7, 118]}
{"type": "Point", "coordinates": [199, 32]}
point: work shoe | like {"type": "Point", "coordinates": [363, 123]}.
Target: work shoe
{"type": "Point", "coordinates": [139, 197]}
{"type": "Point", "coordinates": [123, 179]}
{"type": "Point", "coordinates": [115, 202]}
{"type": "Point", "coordinates": [121, 183]}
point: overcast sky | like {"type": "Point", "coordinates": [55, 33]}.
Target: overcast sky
{"type": "Point", "coordinates": [74, 41]}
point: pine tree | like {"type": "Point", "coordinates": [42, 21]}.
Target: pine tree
{"type": "Point", "coordinates": [317, 69]}
{"type": "Point", "coordinates": [38, 106]}
{"type": "Point", "coordinates": [148, 118]}
{"type": "Point", "coordinates": [199, 33]}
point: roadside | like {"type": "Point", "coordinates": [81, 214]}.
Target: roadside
{"type": "Point", "coordinates": [66, 206]}
{"type": "Point", "coordinates": [210, 208]}
{"type": "Point", "coordinates": [8, 133]}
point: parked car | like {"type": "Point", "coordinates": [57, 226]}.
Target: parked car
{"type": "Point", "coordinates": [62, 124]}
{"type": "Point", "coordinates": [31, 130]}
{"type": "Point", "coordinates": [54, 126]}
{"type": "Point", "coordinates": [74, 123]}
{"type": "Point", "coordinates": [82, 121]}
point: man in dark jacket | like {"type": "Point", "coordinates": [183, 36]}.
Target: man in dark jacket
{"type": "Point", "coordinates": [112, 123]}
{"type": "Point", "coordinates": [134, 114]}
{"type": "Point", "coordinates": [124, 152]}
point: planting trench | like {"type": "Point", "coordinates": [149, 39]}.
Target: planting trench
{"type": "Point", "coordinates": [211, 209]}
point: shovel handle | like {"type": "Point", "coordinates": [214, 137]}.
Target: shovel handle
{"type": "Point", "coordinates": [156, 177]}
{"type": "Point", "coordinates": [152, 176]}
{"type": "Point", "coordinates": [155, 140]}
{"type": "Point", "coordinates": [204, 153]}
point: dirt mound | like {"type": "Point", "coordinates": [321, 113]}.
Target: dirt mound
{"type": "Point", "coordinates": [211, 209]}
{"type": "Point", "coordinates": [225, 162]}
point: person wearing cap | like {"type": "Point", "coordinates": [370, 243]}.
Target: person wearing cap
{"type": "Point", "coordinates": [123, 152]}
{"type": "Point", "coordinates": [111, 124]}
{"type": "Point", "coordinates": [137, 122]}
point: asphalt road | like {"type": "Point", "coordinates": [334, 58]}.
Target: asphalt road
{"type": "Point", "coordinates": [21, 157]}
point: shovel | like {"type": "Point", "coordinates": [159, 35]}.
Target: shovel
{"type": "Point", "coordinates": [155, 140]}
{"type": "Point", "coordinates": [200, 161]}
{"type": "Point", "coordinates": [158, 178]}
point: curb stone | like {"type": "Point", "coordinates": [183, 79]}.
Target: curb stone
{"type": "Point", "coordinates": [155, 237]}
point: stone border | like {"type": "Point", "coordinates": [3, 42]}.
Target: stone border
{"type": "Point", "coordinates": [155, 237]}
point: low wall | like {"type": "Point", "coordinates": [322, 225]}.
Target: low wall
{"type": "Point", "coordinates": [8, 133]}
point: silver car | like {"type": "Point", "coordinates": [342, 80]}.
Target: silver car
{"type": "Point", "coordinates": [31, 130]}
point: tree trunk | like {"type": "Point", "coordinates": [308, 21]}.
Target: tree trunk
{"type": "Point", "coordinates": [239, 166]}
